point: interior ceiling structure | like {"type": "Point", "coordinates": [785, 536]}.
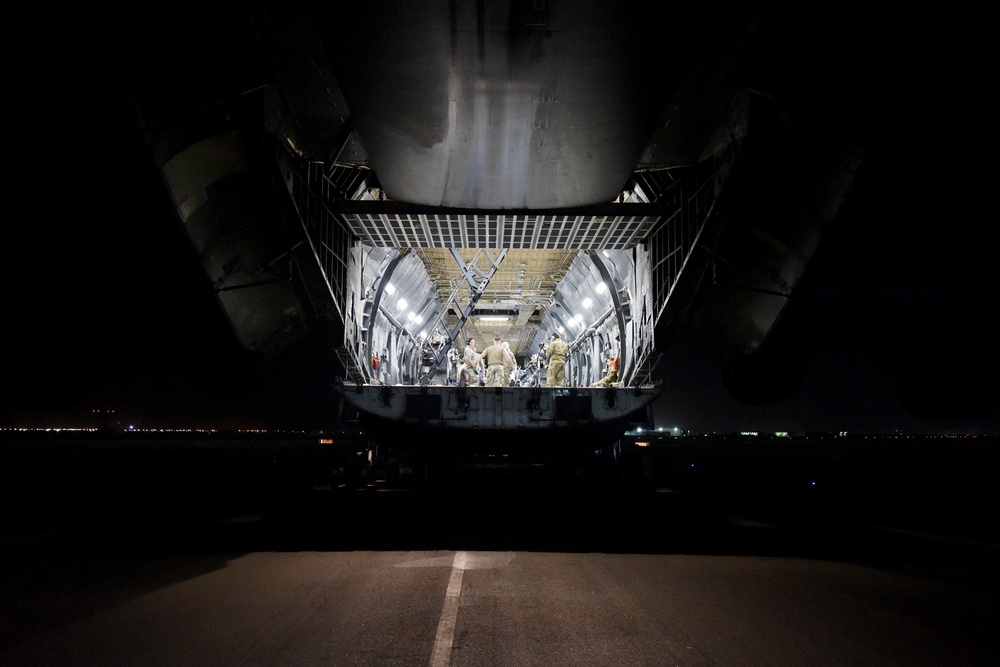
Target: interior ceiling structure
{"type": "Point", "coordinates": [527, 277]}
{"type": "Point", "coordinates": [514, 301]}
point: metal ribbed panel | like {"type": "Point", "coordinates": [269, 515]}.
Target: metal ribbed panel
{"type": "Point", "coordinates": [522, 232]}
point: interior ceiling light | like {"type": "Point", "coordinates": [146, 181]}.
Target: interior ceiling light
{"type": "Point", "coordinates": [493, 318]}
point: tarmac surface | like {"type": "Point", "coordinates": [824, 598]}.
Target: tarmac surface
{"type": "Point", "coordinates": [496, 568]}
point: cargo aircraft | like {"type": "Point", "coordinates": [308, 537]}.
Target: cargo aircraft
{"type": "Point", "coordinates": [414, 174]}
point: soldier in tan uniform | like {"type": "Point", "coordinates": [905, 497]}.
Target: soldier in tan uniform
{"type": "Point", "coordinates": [496, 358]}
{"type": "Point", "coordinates": [611, 379]}
{"type": "Point", "coordinates": [509, 364]}
{"type": "Point", "coordinates": [468, 375]}
{"type": "Point", "coordinates": [556, 361]}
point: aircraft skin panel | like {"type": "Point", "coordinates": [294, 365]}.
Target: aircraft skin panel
{"type": "Point", "coordinates": [497, 105]}
{"type": "Point", "coordinates": [785, 200]}
{"type": "Point", "coordinates": [485, 411]}
{"type": "Point", "coordinates": [230, 221]}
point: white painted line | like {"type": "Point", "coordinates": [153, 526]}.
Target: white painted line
{"type": "Point", "coordinates": [441, 654]}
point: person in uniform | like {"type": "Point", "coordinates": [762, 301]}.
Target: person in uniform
{"type": "Point", "coordinates": [509, 364]}
{"type": "Point", "coordinates": [495, 357]}
{"type": "Point", "coordinates": [611, 379]}
{"type": "Point", "coordinates": [555, 359]}
{"type": "Point", "coordinates": [468, 375]}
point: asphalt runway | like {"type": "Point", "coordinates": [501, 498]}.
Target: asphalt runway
{"type": "Point", "coordinates": [488, 573]}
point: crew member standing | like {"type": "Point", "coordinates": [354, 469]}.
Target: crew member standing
{"type": "Point", "coordinates": [509, 364]}
{"type": "Point", "coordinates": [495, 356]}
{"type": "Point", "coordinates": [556, 361]}
{"type": "Point", "coordinates": [468, 375]}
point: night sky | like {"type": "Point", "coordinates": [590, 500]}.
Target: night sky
{"type": "Point", "coordinates": [894, 328]}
